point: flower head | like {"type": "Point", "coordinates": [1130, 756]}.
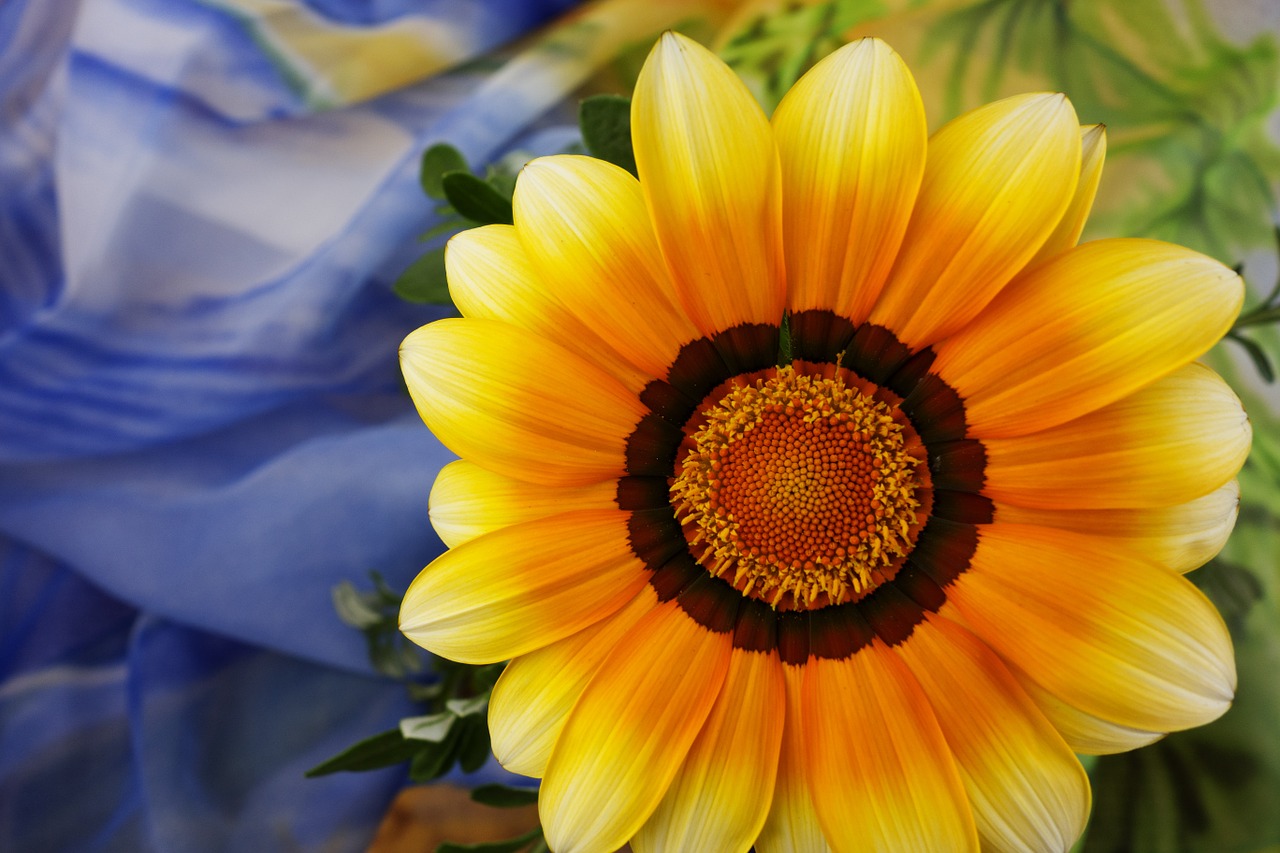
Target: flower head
{"type": "Point", "coordinates": [870, 598]}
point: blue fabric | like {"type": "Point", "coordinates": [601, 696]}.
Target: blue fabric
{"type": "Point", "coordinates": [202, 428]}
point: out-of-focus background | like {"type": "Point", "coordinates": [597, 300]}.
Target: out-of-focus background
{"type": "Point", "coordinates": [203, 207]}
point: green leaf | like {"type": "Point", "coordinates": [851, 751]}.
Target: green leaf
{"type": "Point", "coordinates": [436, 161]}
{"type": "Point", "coordinates": [424, 280]}
{"type": "Point", "coordinates": [606, 129]}
{"type": "Point", "coordinates": [352, 607]}
{"type": "Point", "coordinates": [433, 727]}
{"type": "Point", "coordinates": [1257, 355]}
{"type": "Point", "coordinates": [1233, 589]}
{"type": "Point", "coordinates": [435, 759]}
{"type": "Point", "coordinates": [503, 182]}
{"type": "Point", "coordinates": [474, 746]}
{"type": "Point", "coordinates": [504, 796]}
{"type": "Point", "coordinates": [510, 845]}
{"type": "Point", "coordinates": [476, 199]}
{"type": "Point", "coordinates": [381, 750]}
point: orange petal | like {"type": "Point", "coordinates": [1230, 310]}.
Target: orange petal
{"type": "Point", "coordinates": [535, 693]}
{"type": "Point", "coordinates": [792, 825]}
{"type": "Point", "coordinates": [851, 139]}
{"type": "Point", "coordinates": [721, 794]}
{"type": "Point", "coordinates": [523, 587]}
{"type": "Point", "coordinates": [1089, 327]}
{"type": "Point", "coordinates": [630, 731]}
{"type": "Point", "coordinates": [1093, 144]}
{"type": "Point", "coordinates": [492, 278]}
{"type": "Point", "coordinates": [468, 501]}
{"type": "Point", "coordinates": [1027, 791]}
{"type": "Point", "coordinates": [709, 170]}
{"type": "Point", "coordinates": [1115, 636]}
{"type": "Point", "coordinates": [517, 403]}
{"type": "Point", "coordinates": [997, 182]}
{"type": "Point", "coordinates": [1084, 733]}
{"type": "Point", "coordinates": [1182, 537]}
{"type": "Point", "coordinates": [1174, 441]}
{"type": "Point", "coordinates": [585, 226]}
{"type": "Point", "coordinates": [880, 772]}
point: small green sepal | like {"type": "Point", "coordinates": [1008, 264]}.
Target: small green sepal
{"type": "Point", "coordinates": [381, 750]}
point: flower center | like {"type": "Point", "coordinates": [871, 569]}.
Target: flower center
{"type": "Point", "coordinates": [799, 490]}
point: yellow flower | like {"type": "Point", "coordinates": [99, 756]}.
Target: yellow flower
{"type": "Point", "coordinates": [873, 599]}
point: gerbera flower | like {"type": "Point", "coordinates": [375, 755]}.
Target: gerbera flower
{"type": "Point", "coordinates": [872, 598]}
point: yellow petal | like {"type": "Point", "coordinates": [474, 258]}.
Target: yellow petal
{"type": "Point", "coordinates": [721, 794]}
{"type": "Point", "coordinates": [709, 170]}
{"type": "Point", "coordinates": [1182, 537]}
{"type": "Point", "coordinates": [630, 731]}
{"type": "Point", "coordinates": [517, 403]}
{"type": "Point", "coordinates": [1114, 636]}
{"type": "Point", "coordinates": [1174, 441]}
{"type": "Point", "coordinates": [535, 693]}
{"type": "Point", "coordinates": [1093, 145]}
{"type": "Point", "coordinates": [792, 825]}
{"type": "Point", "coordinates": [523, 587]}
{"type": "Point", "coordinates": [997, 182]}
{"type": "Point", "coordinates": [880, 772]}
{"type": "Point", "coordinates": [467, 501]}
{"type": "Point", "coordinates": [1084, 733]}
{"type": "Point", "coordinates": [851, 138]}
{"type": "Point", "coordinates": [1086, 329]}
{"type": "Point", "coordinates": [492, 278]}
{"type": "Point", "coordinates": [1027, 791]}
{"type": "Point", "coordinates": [585, 226]}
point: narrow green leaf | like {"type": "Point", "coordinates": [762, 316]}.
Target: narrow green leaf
{"type": "Point", "coordinates": [476, 199]}
{"type": "Point", "coordinates": [433, 727]}
{"type": "Point", "coordinates": [1233, 589]}
{"type": "Point", "coordinates": [606, 129]}
{"type": "Point", "coordinates": [381, 750]}
{"type": "Point", "coordinates": [474, 747]}
{"type": "Point", "coordinates": [436, 161]}
{"type": "Point", "coordinates": [434, 760]}
{"type": "Point", "coordinates": [424, 280]}
{"type": "Point", "coordinates": [1258, 356]}
{"type": "Point", "coordinates": [510, 845]}
{"type": "Point", "coordinates": [504, 796]}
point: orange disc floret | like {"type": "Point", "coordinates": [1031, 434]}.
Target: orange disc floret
{"type": "Point", "coordinates": [798, 488]}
